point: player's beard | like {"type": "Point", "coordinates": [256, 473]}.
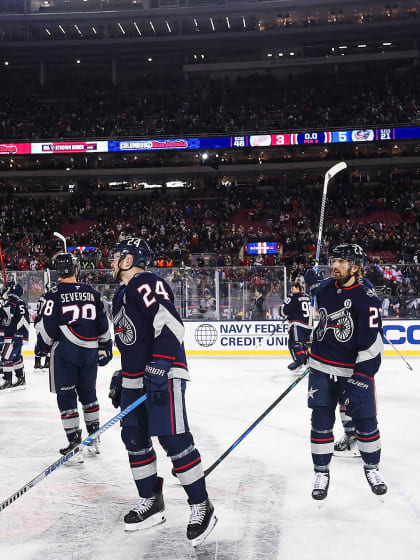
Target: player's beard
{"type": "Point", "coordinates": [341, 280]}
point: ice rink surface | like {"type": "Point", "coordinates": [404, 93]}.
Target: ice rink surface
{"type": "Point", "coordinates": [261, 491]}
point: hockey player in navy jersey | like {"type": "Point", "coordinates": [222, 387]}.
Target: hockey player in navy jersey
{"type": "Point", "coordinates": [297, 310]}
{"type": "Point", "coordinates": [39, 308]}
{"type": "Point", "coordinates": [14, 318]}
{"type": "Point", "coordinates": [149, 334]}
{"type": "Point", "coordinates": [74, 328]}
{"type": "Point", "coordinates": [345, 355]}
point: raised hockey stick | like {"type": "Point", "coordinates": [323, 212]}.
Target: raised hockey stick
{"type": "Point", "coordinates": [330, 174]}
{"type": "Point", "coordinates": [2, 267]}
{"type": "Point", "coordinates": [397, 351]}
{"type": "Point", "coordinates": [254, 424]}
{"type": "Point", "coordinates": [63, 239]}
{"type": "Point", "coordinates": [54, 466]}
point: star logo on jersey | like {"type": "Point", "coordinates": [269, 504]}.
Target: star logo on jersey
{"type": "Point", "coordinates": [311, 392]}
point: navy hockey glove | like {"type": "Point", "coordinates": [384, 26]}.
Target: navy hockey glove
{"type": "Point", "coordinates": [358, 388]}
{"type": "Point", "coordinates": [105, 353]}
{"type": "Point", "coordinates": [115, 388]}
{"type": "Point", "coordinates": [156, 378]}
{"type": "Point", "coordinates": [313, 279]}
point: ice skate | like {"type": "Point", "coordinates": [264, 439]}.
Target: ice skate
{"type": "Point", "coordinates": [376, 481]}
{"type": "Point", "coordinates": [46, 363]}
{"type": "Point", "coordinates": [320, 485]}
{"type": "Point", "coordinates": [294, 366]}
{"type": "Point", "coordinates": [6, 385]}
{"type": "Point", "coordinates": [20, 383]}
{"type": "Point", "coordinates": [76, 440]}
{"type": "Point", "coordinates": [346, 446]}
{"type": "Point", "coordinates": [148, 512]}
{"type": "Point", "coordinates": [37, 365]}
{"type": "Point", "coordinates": [201, 523]}
{"type": "Point", "coordinates": [93, 446]}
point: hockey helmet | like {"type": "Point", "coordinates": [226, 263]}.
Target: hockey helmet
{"type": "Point", "coordinates": [65, 265]}
{"type": "Point", "coordinates": [15, 288]}
{"type": "Point", "coordinates": [350, 252]}
{"type": "Point", "coordinates": [138, 248]}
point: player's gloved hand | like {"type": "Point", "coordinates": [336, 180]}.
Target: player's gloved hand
{"type": "Point", "coordinates": [115, 388]}
{"type": "Point", "coordinates": [105, 353]}
{"type": "Point", "coordinates": [313, 279]}
{"type": "Point", "coordinates": [357, 389]}
{"type": "Point", "coordinates": [156, 380]}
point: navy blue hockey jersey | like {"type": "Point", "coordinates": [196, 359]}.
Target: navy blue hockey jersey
{"type": "Point", "coordinates": [147, 325]}
{"type": "Point", "coordinates": [297, 309]}
{"type": "Point", "coordinates": [14, 319]}
{"type": "Point", "coordinates": [348, 337]}
{"type": "Point", "coordinates": [72, 311]}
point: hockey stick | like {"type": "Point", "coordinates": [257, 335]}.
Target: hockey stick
{"type": "Point", "coordinates": [254, 424]}
{"type": "Point", "coordinates": [54, 466]}
{"type": "Point", "coordinates": [63, 239]}
{"type": "Point", "coordinates": [2, 267]}
{"type": "Point", "coordinates": [397, 351]}
{"type": "Point", "coordinates": [330, 174]}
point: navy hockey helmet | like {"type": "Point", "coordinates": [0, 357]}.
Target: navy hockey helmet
{"type": "Point", "coordinates": [350, 252]}
{"type": "Point", "coordinates": [65, 265]}
{"type": "Point", "coordinates": [15, 288]}
{"type": "Point", "coordinates": [138, 248]}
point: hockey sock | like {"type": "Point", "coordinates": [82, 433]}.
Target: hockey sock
{"type": "Point", "coordinates": [91, 413]}
{"type": "Point", "coordinates": [322, 438]}
{"type": "Point", "coordinates": [187, 465]}
{"type": "Point", "coordinates": [142, 459]}
{"type": "Point", "coordinates": [19, 372]}
{"type": "Point", "coordinates": [368, 440]}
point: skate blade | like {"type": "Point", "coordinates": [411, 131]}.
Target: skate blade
{"type": "Point", "coordinates": [199, 540]}
{"type": "Point", "coordinates": [93, 450]}
{"type": "Point", "coordinates": [152, 521]}
{"type": "Point", "coordinates": [76, 460]}
{"type": "Point", "coordinates": [348, 454]}
{"type": "Point", "coordinates": [18, 388]}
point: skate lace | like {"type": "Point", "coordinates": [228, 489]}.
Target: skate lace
{"type": "Point", "coordinates": [198, 512]}
{"type": "Point", "coordinates": [374, 477]}
{"type": "Point", "coordinates": [144, 505]}
{"type": "Point", "coordinates": [320, 481]}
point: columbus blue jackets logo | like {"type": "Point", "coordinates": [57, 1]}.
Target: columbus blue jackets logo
{"type": "Point", "coordinates": [124, 328]}
{"type": "Point", "coordinates": [340, 322]}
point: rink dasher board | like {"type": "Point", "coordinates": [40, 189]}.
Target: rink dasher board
{"type": "Point", "coordinates": [266, 338]}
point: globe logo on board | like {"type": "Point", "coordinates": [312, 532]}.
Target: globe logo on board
{"type": "Point", "coordinates": [205, 335]}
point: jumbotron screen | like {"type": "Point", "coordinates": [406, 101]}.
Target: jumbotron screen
{"type": "Point", "coordinates": [262, 248]}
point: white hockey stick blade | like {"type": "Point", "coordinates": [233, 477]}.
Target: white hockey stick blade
{"type": "Point", "coordinates": [63, 240]}
{"type": "Point", "coordinates": [332, 172]}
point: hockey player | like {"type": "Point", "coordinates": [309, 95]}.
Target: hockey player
{"type": "Point", "coordinates": [345, 355]}
{"type": "Point", "coordinates": [14, 317]}
{"type": "Point", "coordinates": [39, 308]}
{"type": "Point", "coordinates": [297, 310]}
{"type": "Point", "coordinates": [149, 334]}
{"type": "Point", "coordinates": [74, 328]}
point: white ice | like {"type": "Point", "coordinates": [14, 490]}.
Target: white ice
{"type": "Point", "coordinates": [261, 491]}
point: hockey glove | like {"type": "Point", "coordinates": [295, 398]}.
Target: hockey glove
{"type": "Point", "coordinates": [115, 388]}
{"type": "Point", "coordinates": [313, 279]}
{"type": "Point", "coordinates": [105, 353]}
{"type": "Point", "coordinates": [156, 378]}
{"type": "Point", "coordinates": [357, 390]}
